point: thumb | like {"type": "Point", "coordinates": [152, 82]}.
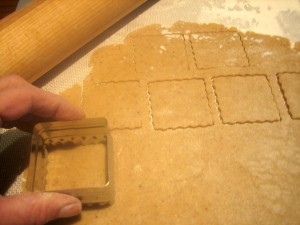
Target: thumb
{"type": "Point", "coordinates": [37, 208]}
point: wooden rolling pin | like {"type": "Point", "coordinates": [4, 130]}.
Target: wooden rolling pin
{"type": "Point", "coordinates": [45, 32]}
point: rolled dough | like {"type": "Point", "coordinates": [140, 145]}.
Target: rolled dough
{"type": "Point", "coordinates": [205, 124]}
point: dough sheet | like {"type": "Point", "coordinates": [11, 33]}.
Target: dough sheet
{"type": "Point", "coordinates": [205, 126]}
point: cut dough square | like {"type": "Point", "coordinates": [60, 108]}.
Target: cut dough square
{"type": "Point", "coordinates": [269, 51]}
{"type": "Point", "coordinates": [290, 85]}
{"type": "Point", "coordinates": [164, 53]}
{"type": "Point", "coordinates": [218, 49]}
{"type": "Point", "coordinates": [114, 63]}
{"type": "Point", "coordinates": [119, 103]}
{"type": "Point", "coordinates": [61, 174]}
{"type": "Point", "coordinates": [179, 104]}
{"type": "Point", "coordinates": [245, 99]}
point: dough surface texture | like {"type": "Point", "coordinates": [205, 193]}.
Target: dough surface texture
{"type": "Point", "coordinates": [205, 125]}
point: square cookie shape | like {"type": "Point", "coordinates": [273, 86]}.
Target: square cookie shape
{"type": "Point", "coordinates": [179, 104]}
{"type": "Point", "coordinates": [119, 103]}
{"type": "Point", "coordinates": [61, 174]}
{"type": "Point", "coordinates": [113, 63]}
{"type": "Point", "coordinates": [290, 87]}
{"type": "Point", "coordinates": [160, 53]}
{"type": "Point", "coordinates": [245, 99]}
{"type": "Point", "coordinates": [218, 49]}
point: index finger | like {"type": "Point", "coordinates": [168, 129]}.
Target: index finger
{"type": "Point", "coordinates": [19, 98]}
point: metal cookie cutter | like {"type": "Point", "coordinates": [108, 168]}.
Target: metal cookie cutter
{"type": "Point", "coordinates": [72, 134]}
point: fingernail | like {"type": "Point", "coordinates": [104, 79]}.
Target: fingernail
{"type": "Point", "coordinates": [69, 210]}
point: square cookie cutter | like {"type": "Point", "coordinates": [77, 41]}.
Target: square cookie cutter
{"type": "Point", "coordinates": [72, 133]}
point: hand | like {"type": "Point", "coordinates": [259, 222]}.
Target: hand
{"type": "Point", "coordinates": [37, 208]}
{"type": "Point", "coordinates": [20, 103]}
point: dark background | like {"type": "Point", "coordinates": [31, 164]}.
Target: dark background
{"type": "Point", "coordinates": [7, 7]}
